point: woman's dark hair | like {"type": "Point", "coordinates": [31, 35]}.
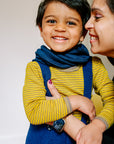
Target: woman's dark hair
{"type": "Point", "coordinates": [110, 4]}
{"type": "Point", "coordinates": [81, 6]}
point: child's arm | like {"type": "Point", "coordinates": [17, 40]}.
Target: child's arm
{"type": "Point", "coordinates": [77, 102]}
{"type": "Point", "coordinates": [37, 108]}
{"type": "Point", "coordinates": [104, 87]}
{"type": "Point", "coordinates": [91, 133]}
{"type": "Point", "coordinates": [72, 124]}
{"type": "Point", "coordinates": [81, 133]}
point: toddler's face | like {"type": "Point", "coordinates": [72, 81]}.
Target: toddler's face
{"type": "Point", "coordinates": [61, 27]}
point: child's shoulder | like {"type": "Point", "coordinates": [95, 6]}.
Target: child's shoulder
{"type": "Point", "coordinates": [97, 64]}
{"type": "Point", "coordinates": [33, 65]}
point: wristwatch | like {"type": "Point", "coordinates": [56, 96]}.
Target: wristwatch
{"type": "Point", "coordinates": [58, 125]}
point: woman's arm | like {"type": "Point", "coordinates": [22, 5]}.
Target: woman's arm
{"type": "Point", "coordinates": [92, 133]}
{"type": "Point", "coordinates": [104, 87]}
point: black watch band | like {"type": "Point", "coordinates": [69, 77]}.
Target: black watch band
{"type": "Point", "coordinates": [58, 125]}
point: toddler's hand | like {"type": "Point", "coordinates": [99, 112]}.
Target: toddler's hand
{"type": "Point", "coordinates": [52, 90]}
{"type": "Point", "coordinates": [78, 102]}
{"type": "Point", "coordinates": [83, 104]}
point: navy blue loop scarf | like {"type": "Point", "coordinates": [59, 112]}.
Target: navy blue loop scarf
{"type": "Point", "coordinates": [76, 56]}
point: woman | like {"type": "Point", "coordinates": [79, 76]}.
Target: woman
{"type": "Point", "coordinates": [101, 31]}
{"type": "Point", "coordinates": [101, 27]}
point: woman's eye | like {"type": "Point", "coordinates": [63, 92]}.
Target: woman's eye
{"type": "Point", "coordinates": [98, 16]}
{"type": "Point", "coordinates": [71, 23]}
{"type": "Point", "coordinates": [51, 21]}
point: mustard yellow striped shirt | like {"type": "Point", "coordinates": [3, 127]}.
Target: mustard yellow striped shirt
{"type": "Point", "coordinates": [39, 110]}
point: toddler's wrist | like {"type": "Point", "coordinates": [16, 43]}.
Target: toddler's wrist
{"type": "Point", "coordinates": [74, 102]}
{"type": "Point", "coordinates": [99, 124]}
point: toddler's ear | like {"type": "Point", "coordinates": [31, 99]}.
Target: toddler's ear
{"type": "Point", "coordinates": [40, 28]}
{"type": "Point", "coordinates": [82, 38]}
{"type": "Point", "coordinates": [84, 34]}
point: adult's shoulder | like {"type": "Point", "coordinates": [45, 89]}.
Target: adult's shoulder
{"type": "Point", "coordinates": [111, 60]}
{"type": "Point", "coordinates": [96, 60]}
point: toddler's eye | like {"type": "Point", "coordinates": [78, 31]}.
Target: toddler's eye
{"type": "Point", "coordinates": [71, 23]}
{"type": "Point", "coordinates": [51, 21]}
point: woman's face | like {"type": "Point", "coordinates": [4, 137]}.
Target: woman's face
{"type": "Point", "coordinates": [101, 29]}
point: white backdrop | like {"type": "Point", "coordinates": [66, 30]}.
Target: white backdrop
{"type": "Point", "coordinates": [19, 39]}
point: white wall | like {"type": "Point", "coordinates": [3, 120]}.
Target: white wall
{"type": "Point", "coordinates": [19, 39]}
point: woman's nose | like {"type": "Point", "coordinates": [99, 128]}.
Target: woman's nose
{"type": "Point", "coordinates": [89, 24]}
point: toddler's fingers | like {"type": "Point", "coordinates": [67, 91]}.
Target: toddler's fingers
{"type": "Point", "coordinates": [53, 89]}
{"type": "Point", "coordinates": [92, 114]}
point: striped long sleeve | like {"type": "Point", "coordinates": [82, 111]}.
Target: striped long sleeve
{"type": "Point", "coordinates": [37, 108]}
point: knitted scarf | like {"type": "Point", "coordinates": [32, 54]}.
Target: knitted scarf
{"type": "Point", "coordinates": [74, 57]}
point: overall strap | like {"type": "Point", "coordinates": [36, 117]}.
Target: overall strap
{"type": "Point", "coordinates": [88, 75]}
{"type": "Point", "coordinates": [46, 76]}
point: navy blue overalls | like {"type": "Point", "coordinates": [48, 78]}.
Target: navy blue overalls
{"type": "Point", "coordinates": [40, 134]}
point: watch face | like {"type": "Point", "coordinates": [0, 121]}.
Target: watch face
{"type": "Point", "coordinates": [58, 125]}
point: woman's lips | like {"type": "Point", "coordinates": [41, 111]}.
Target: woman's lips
{"type": "Point", "coordinates": [93, 38]}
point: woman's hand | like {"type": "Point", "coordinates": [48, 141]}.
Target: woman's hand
{"type": "Point", "coordinates": [91, 133]}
